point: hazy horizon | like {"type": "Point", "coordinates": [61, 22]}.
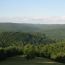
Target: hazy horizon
{"type": "Point", "coordinates": [33, 11]}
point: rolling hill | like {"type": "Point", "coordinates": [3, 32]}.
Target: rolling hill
{"type": "Point", "coordinates": [56, 31]}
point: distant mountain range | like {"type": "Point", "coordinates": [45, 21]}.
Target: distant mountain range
{"type": "Point", "coordinates": [52, 30]}
{"type": "Point", "coordinates": [24, 27]}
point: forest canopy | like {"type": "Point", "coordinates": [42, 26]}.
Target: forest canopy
{"type": "Point", "coordinates": [31, 45]}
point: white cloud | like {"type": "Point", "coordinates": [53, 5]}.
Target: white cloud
{"type": "Point", "coordinates": [35, 20]}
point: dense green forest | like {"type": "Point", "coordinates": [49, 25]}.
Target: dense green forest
{"type": "Point", "coordinates": [32, 40]}
{"type": "Point", "coordinates": [31, 45]}
{"type": "Point", "coordinates": [11, 38]}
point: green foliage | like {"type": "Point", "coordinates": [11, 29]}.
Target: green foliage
{"type": "Point", "coordinates": [18, 38]}
{"type": "Point", "coordinates": [29, 51]}
{"type": "Point", "coordinates": [31, 45]}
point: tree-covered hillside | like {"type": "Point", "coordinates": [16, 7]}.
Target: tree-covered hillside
{"type": "Point", "coordinates": [31, 45]}
{"type": "Point", "coordinates": [12, 38]}
{"type": "Point", "coordinates": [56, 31]}
{"type": "Point", "coordinates": [18, 27]}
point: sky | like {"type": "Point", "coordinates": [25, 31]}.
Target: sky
{"type": "Point", "coordinates": [33, 11]}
